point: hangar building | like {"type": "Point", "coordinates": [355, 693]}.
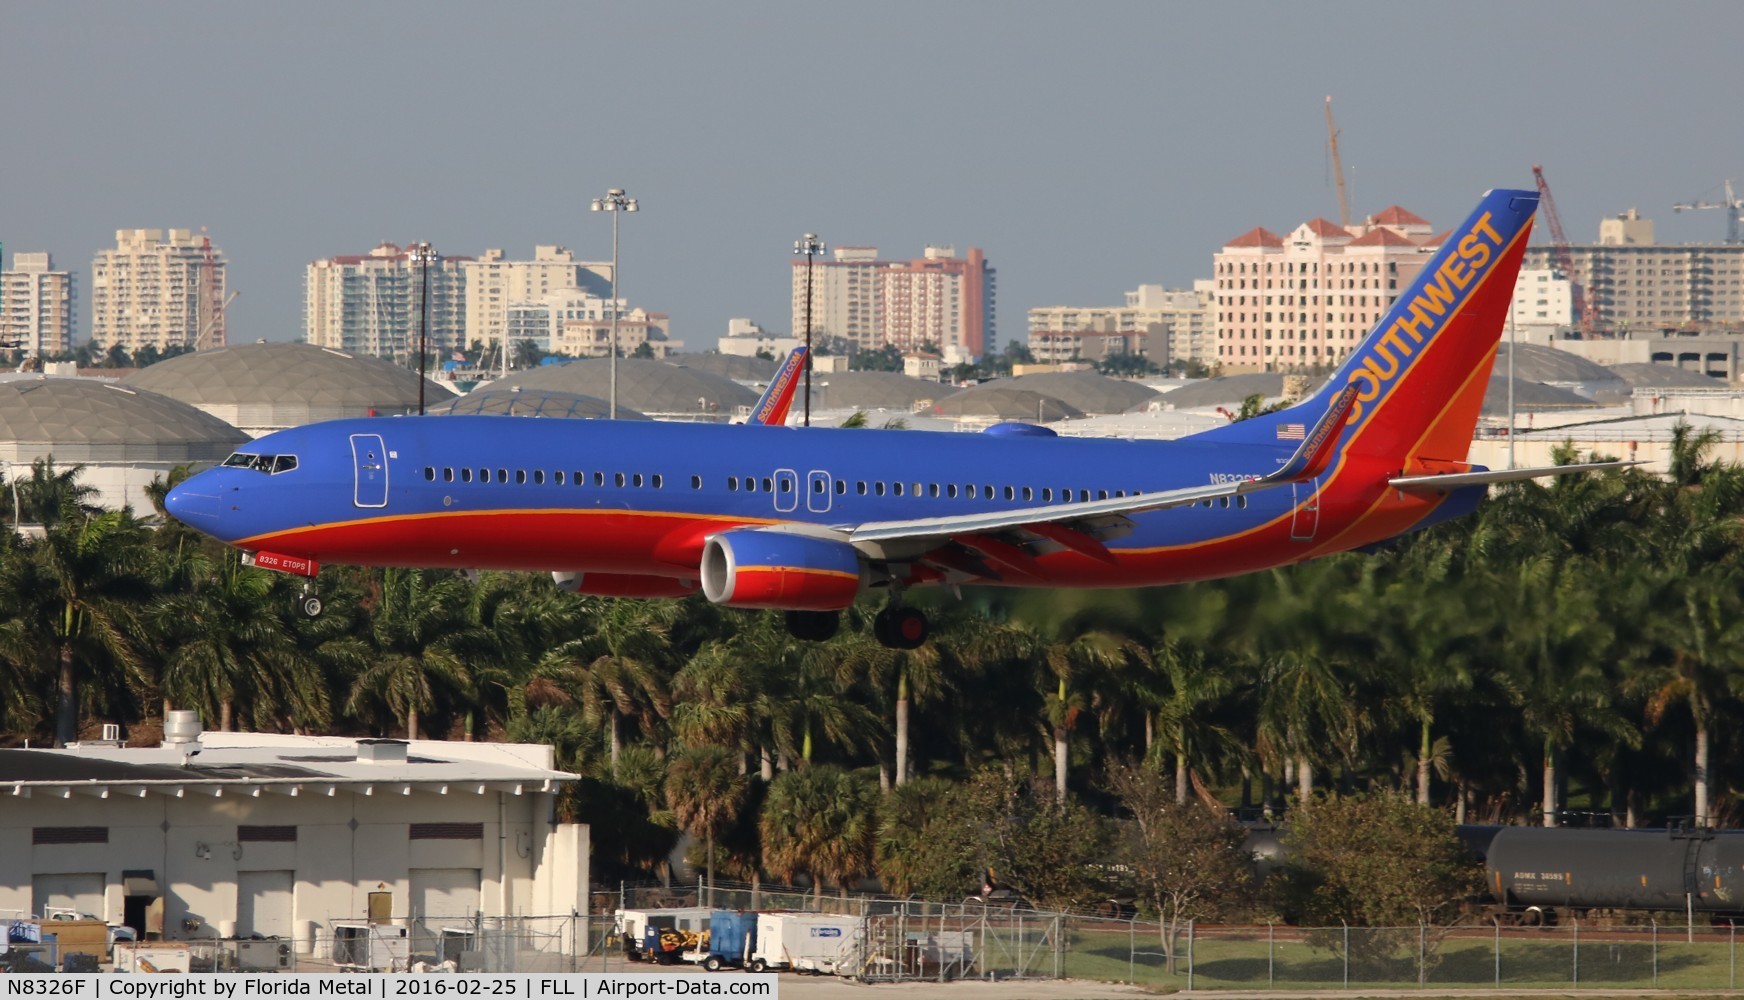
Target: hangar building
{"type": "Point", "coordinates": [285, 836]}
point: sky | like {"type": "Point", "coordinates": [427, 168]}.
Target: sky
{"type": "Point", "coordinates": [1088, 148]}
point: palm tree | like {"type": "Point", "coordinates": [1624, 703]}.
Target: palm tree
{"type": "Point", "coordinates": [705, 787]}
{"type": "Point", "coordinates": [225, 644]}
{"type": "Point", "coordinates": [82, 588]}
{"type": "Point", "coordinates": [49, 496]}
{"type": "Point", "coordinates": [618, 669]}
{"type": "Point", "coordinates": [1193, 687]}
{"type": "Point", "coordinates": [819, 820]}
{"type": "Point", "coordinates": [415, 634]}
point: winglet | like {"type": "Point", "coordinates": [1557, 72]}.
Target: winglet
{"type": "Point", "coordinates": [1320, 444]}
{"type": "Point", "coordinates": [777, 399]}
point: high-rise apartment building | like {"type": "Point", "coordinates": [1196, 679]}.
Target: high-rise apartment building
{"type": "Point", "coordinates": [938, 298]}
{"type": "Point", "coordinates": [373, 303]}
{"type": "Point", "coordinates": [578, 324]}
{"type": "Point", "coordinates": [1303, 301]}
{"type": "Point", "coordinates": [36, 306]}
{"type": "Point", "coordinates": [494, 284]}
{"type": "Point", "coordinates": [153, 291]}
{"type": "Point", "coordinates": [1636, 285]}
{"type": "Point", "coordinates": [1164, 325]}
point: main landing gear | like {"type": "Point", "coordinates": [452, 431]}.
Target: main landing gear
{"type": "Point", "coordinates": [900, 627]}
{"type": "Point", "coordinates": [897, 626]}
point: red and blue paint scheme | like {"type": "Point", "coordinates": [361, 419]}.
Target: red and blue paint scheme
{"type": "Point", "coordinates": [809, 519]}
{"type": "Point", "coordinates": [777, 399]}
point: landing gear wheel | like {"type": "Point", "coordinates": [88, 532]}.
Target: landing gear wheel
{"type": "Point", "coordinates": [813, 626]}
{"type": "Point", "coordinates": [311, 606]}
{"type": "Point", "coordinates": [900, 627]}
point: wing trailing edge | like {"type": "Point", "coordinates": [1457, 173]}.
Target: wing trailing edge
{"type": "Point", "coordinates": [1438, 483]}
{"type": "Point", "coordinates": [1310, 459]}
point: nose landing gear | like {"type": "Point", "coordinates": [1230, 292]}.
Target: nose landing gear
{"type": "Point", "coordinates": [310, 602]}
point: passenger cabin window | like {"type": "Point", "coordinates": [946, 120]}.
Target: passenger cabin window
{"type": "Point", "coordinates": [538, 477]}
{"type": "Point", "coordinates": [599, 479]}
{"type": "Point", "coordinates": [618, 478]}
{"type": "Point", "coordinates": [430, 473]}
{"type": "Point", "coordinates": [557, 477]}
{"type": "Point", "coordinates": [636, 480]}
{"type": "Point", "coordinates": [448, 475]}
{"type": "Point", "coordinates": [520, 477]}
{"type": "Point", "coordinates": [502, 475]}
{"type": "Point", "coordinates": [466, 475]}
{"type": "Point", "coordinates": [696, 482]}
{"type": "Point", "coordinates": [657, 481]}
{"type": "Point", "coordinates": [732, 484]}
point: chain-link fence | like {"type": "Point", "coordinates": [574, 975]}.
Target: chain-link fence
{"type": "Point", "coordinates": [1283, 957]}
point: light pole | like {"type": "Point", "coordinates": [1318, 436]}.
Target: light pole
{"type": "Point", "coordinates": [614, 202]}
{"type": "Point", "coordinates": [422, 255]}
{"type": "Point", "coordinates": [811, 248]}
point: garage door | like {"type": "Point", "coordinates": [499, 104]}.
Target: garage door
{"type": "Point", "coordinates": [81, 891]}
{"type": "Point", "coordinates": [263, 903]}
{"type": "Point", "coordinates": [439, 893]}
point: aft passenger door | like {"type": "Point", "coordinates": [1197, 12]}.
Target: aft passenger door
{"type": "Point", "coordinates": [1305, 519]}
{"type": "Point", "coordinates": [817, 494]}
{"type": "Point", "coordinates": [369, 460]}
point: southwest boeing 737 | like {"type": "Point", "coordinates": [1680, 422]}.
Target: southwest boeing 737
{"type": "Point", "coordinates": [807, 520]}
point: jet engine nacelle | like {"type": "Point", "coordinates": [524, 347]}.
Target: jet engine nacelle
{"type": "Point", "coordinates": [622, 584]}
{"type": "Point", "coordinates": [759, 568]}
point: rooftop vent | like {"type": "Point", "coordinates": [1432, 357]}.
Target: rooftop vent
{"type": "Point", "coordinates": [181, 732]}
{"type": "Point", "coordinates": [382, 751]}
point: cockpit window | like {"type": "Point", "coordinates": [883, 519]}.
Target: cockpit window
{"type": "Point", "coordinates": [261, 463]}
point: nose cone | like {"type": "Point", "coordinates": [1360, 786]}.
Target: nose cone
{"type": "Point", "coordinates": [193, 503]}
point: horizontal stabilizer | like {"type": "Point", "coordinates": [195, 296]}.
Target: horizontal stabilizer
{"type": "Point", "coordinates": [1453, 480]}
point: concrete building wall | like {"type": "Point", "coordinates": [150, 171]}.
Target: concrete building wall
{"type": "Point", "coordinates": [938, 298]}
{"type": "Point", "coordinates": [494, 284]}
{"type": "Point", "coordinates": [1646, 287]}
{"type": "Point", "coordinates": [1303, 301]}
{"type": "Point", "coordinates": [149, 291]}
{"type": "Point", "coordinates": [373, 304]}
{"type": "Point", "coordinates": [346, 846]}
{"type": "Point", "coordinates": [36, 305]}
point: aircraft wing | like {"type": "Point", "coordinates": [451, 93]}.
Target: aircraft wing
{"type": "Point", "coordinates": [1451, 480]}
{"type": "Point", "coordinates": [1309, 460]}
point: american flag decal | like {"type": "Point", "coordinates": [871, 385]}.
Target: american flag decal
{"type": "Point", "coordinates": [1291, 432]}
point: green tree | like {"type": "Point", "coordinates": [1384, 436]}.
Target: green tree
{"type": "Point", "coordinates": [618, 669]}
{"type": "Point", "coordinates": [819, 820]}
{"type": "Point", "coordinates": [1376, 861]}
{"type": "Point", "coordinates": [1190, 861]}
{"type": "Point", "coordinates": [416, 629]}
{"type": "Point", "coordinates": [80, 593]}
{"type": "Point", "coordinates": [706, 788]}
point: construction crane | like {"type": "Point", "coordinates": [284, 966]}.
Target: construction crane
{"type": "Point", "coordinates": [1583, 304]}
{"type": "Point", "coordinates": [216, 318]}
{"type": "Point", "coordinates": [1730, 204]}
{"type": "Point", "coordinates": [1337, 167]}
{"type": "Point", "coordinates": [210, 309]}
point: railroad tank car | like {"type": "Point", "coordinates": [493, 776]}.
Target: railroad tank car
{"type": "Point", "coordinates": [1541, 868]}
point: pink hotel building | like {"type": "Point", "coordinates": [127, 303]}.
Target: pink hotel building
{"type": "Point", "coordinates": [1301, 302]}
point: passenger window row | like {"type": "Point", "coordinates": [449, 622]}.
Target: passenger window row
{"type": "Point", "coordinates": [539, 477]}
{"type": "Point", "coordinates": [769, 484]}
